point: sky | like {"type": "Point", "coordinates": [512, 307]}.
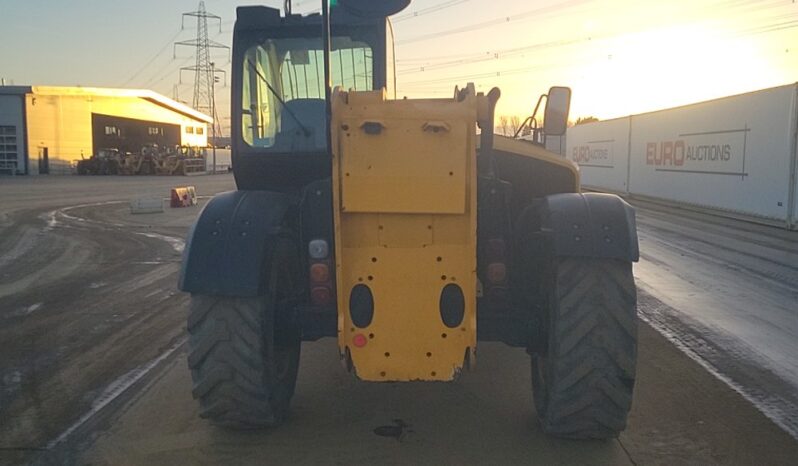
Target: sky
{"type": "Point", "coordinates": [620, 57]}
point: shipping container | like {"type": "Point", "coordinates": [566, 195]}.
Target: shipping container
{"type": "Point", "coordinates": [556, 144]}
{"type": "Point", "coordinates": [735, 154]}
{"type": "Point", "coordinates": [732, 154]}
{"type": "Point", "coordinates": [601, 149]}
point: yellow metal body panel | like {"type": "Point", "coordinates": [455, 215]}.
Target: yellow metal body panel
{"type": "Point", "coordinates": [405, 226]}
{"type": "Point", "coordinates": [409, 175]}
{"type": "Point", "coordinates": [528, 149]}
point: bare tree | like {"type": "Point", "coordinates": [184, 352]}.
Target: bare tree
{"type": "Point", "coordinates": [587, 119]}
{"type": "Point", "coordinates": [503, 125]}
{"type": "Point", "coordinates": [515, 123]}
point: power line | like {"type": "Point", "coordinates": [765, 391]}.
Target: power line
{"type": "Point", "coordinates": [490, 74]}
{"type": "Point", "coordinates": [496, 21]}
{"type": "Point", "coordinates": [160, 76]}
{"type": "Point", "coordinates": [719, 6]}
{"type": "Point", "coordinates": [489, 56]}
{"type": "Point", "coordinates": [154, 57]}
{"type": "Point", "coordinates": [502, 73]}
{"type": "Point", "coordinates": [767, 26]}
{"type": "Point", "coordinates": [428, 10]}
{"type": "Point", "coordinates": [428, 59]}
{"type": "Point", "coordinates": [771, 28]}
{"type": "Point", "coordinates": [398, 19]}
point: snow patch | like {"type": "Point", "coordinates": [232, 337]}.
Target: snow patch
{"type": "Point", "coordinates": [33, 308]}
{"type": "Point", "coordinates": [24, 311]}
{"type": "Point", "coordinates": [52, 222]}
{"type": "Point", "coordinates": [177, 243]}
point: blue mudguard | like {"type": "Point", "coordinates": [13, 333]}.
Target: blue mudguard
{"type": "Point", "coordinates": [229, 244]}
{"type": "Point", "coordinates": [590, 225]}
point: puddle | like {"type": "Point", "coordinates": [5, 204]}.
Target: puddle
{"type": "Point", "coordinates": [397, 430]}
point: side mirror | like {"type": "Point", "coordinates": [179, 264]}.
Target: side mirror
{"type": "Point", "coordinates": [555, 118]}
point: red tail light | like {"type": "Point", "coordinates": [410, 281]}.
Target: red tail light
{"type": "Point", "coordinates": [321, 296]}
{"type": "Point", "coordinates": [322, 287]}
{"type": "Point", "coordinates": [319, 273]}
{"type": "Point", "coordinates": [496, 270]}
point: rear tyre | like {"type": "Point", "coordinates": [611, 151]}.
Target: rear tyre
{"type": "Point", "coordinates": [583, 383]}
{"type": "Point", "coordinates": [244, 358]}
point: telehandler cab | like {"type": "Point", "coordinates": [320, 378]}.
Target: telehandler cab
{"type": "Point", "coordinates": [395, 227]}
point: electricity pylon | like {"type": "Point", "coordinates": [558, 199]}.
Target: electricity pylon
{"type": "Point", "coordinates": [204, 69]}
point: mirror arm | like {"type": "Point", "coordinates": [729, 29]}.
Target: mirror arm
{"type": "Point", "coordinates": [526, 122]}
{"type": "Point", "coordinates": [531, 119]}
{"type": "Point", "coordinates": [537, 106]}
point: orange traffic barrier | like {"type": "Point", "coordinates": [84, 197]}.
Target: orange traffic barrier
{"type": "Point", "coordinates": [183, 196]}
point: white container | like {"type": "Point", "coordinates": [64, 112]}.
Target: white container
{"type": "Point", "coordinates": [733, 154]}
{"type": "Point", "coordinates": [601, 149]}
{"type": "Point", "coordinates": [146, 205]}
{"type": "Point", "coordinates": [223, 160]}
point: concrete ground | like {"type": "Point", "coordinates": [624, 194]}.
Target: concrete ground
{"type": "Point", "coordinates": [727, 294]}
{"type": "Point", "coordinates": [93, 371]}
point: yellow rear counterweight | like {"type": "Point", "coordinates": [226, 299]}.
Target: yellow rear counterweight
{"type": "Point", "coordinates": [404, 193]}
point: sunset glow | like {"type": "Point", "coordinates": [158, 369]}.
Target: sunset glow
{"type": "Point", "coordinates": [619, 56]}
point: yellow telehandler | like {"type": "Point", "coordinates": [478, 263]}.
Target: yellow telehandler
{"type": "Point", "coordinates": [397, 227]}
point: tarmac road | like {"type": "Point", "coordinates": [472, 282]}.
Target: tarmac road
{"type": "Point", "coordinates": [729, 298]}
{"type": "Point", "coordinates": [92, 368]}
{"type": "Point", "coordinates": [87, 294]}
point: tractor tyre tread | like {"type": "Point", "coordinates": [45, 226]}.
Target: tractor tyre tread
{"type": "Point", "coordinates": [592, 350]}
{"type": "Point", "coordinates": [226, 358]}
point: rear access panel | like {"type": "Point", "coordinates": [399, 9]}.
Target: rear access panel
{"type": "Point", "coordinates": [404, 191]}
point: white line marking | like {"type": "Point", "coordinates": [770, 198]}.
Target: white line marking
{"type": "Point", "coordinates": [121, 384]}
{"type": "Point", "coordinates": [114, 390]}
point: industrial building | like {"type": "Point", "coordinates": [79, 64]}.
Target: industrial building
{"type": "Point", "coordinates": [47, 129]}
